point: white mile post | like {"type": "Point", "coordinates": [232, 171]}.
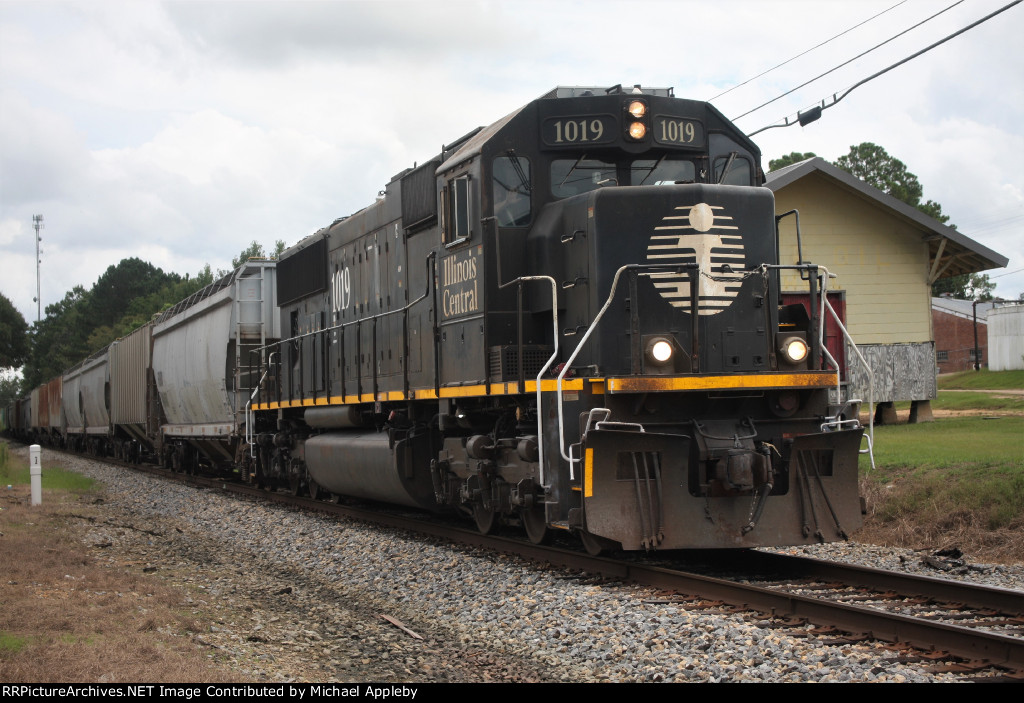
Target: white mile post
{"type": "Point", "coordinates": [35, 470]}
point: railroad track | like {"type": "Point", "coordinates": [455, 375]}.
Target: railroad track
{"type": "Point", "coordinates": [962, 627]}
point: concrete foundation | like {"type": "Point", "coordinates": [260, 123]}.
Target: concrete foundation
{"type": "Point", "coordinates": [921, 411]}
{"type": "Point", "coordinates": [885, 414]}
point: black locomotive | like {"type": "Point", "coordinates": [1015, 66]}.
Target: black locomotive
{"type": "Point", "coordinates": [569, 319]}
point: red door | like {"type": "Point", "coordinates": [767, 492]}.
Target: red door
{"type": "Point", "coordinates": [833, 335]}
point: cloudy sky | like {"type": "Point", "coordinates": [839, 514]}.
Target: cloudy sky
{"type": "Point", "coordinates": [178, 132]}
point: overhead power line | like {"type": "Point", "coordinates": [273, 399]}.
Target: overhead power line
{"type": "Point", "coordinates": [846, 31]}
{"type": "Point", "coordinates": [986, 225]}
{"type": "Point", "coordinates": [849, 61]}
{"type": "Point", "coordinates": [814, 113]}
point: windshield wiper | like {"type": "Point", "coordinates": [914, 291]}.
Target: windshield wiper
{"type": "Point", "coordinates": [728, 165]}
{"type": "Point", "coordinates": [653, 169]}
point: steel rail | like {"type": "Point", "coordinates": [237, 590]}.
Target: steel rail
{"type": "Point", "coordinates": [1004, 600]}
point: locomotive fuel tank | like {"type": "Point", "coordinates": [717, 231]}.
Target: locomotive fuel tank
{"type": "Point", "coordinates": [373, 466]}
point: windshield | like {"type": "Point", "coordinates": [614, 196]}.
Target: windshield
{"type": "Point", "coordinates": [574, 176]}
{"type": "Point", "coordinates": [648, 172]}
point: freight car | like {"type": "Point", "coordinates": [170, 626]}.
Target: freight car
{"type": "Point", "coordinates": [569, 319]}
{"type": "Point", "coordinates": [86, 405]}
{"type": "Point", "coordinates": [201, 378]}
{"type": "Point", "coordinates": [18, 419]}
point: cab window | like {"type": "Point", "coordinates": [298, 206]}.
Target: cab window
{"type": "Point", "coordinates": [511, 190]}
{"type": "Point", "coordinates": [738, 173]}
{"type": "Point", "coordinates": [456, 210]}
{"type": "Point", "coordinates": [653, 172]}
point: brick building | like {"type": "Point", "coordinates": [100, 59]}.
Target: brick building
{"type": "Point", "coordinates": [953, 325]}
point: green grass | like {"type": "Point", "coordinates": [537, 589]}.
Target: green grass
{"type": "Point", "coordinates": [950, 466]}
{"type": "Point", "coordinates": [950, 442]}
{"type": "Point", "coordinates": [983, 379]}
{"type": "Point", "coordinates": [978, 400]}
{"type": "Point", "coordinates": [11, 643]}
{"type": "Point", "coordinates": [994, 500]}
{"type": "Point", "coordinates": [14, 471]}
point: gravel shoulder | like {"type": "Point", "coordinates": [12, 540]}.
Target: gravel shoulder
{"type": "Point", "coordinates": [299, 597]}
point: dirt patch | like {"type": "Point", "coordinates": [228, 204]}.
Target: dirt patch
{"type": "Point", "coordinates": [902, 418]}
{"type": "Point", "coordinates": [67, 618]}
{"type": "Point", "coordinates": [975, 412]}
{"type": "Point", "coordinates": [116, 598]}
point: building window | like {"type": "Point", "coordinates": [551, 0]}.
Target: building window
{"type": "Point", "coordinates": [981, 355]}
{"type": "Point", "coordinates": [942, 356]}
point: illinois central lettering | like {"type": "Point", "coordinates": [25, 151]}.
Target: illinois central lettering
{"type": "Point", "coordinates": [460, 294]}
{"type": "Point", "coordinates": [458, 271]}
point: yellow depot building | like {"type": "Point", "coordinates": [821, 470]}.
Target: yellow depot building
{"type": "Point", "coordinates": [885, 255]}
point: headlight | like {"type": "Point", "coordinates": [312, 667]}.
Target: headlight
{"type": "Point", "coordinates": [659, 350]}
{"type": "Point", "coordinates": [635, 119]}
{"type": "Point", "coordinates": [637, 109]}
{"type": "Point", "coordinates": [794, 349]}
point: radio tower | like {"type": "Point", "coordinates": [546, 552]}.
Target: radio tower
{"type": "Point", "coordinates": [37, 223]}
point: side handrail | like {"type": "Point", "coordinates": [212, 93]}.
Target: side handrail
{"type": "Point", "coordinates": [360, 321]}
{"type": "Point", "coordinates": [823, 276]}
{"type": "Point", "coordinates": [249, 421]}
{"type": "Point", "coordinates": [551, 360]}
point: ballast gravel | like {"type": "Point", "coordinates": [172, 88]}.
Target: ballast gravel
{"type": "Point", "coordinates": [301, 597]}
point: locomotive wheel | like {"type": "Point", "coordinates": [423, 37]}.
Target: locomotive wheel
{"type": "Point", "coordinates": [486, 520]}
{"type": "Point", "coordinates": [315, 491]}
{"type": "Point", "coordinates": [295, 485]}
{"type": "Point", "coordinates": [595, 545]}
{"type": "Point", "coordinates": [535, 523]}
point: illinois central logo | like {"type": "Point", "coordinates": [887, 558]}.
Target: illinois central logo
{"type": "Point", "coordinates": [705, 235]}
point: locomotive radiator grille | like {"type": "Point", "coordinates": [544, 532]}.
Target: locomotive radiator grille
{"type": "Point", "coordinates": [504, 361]}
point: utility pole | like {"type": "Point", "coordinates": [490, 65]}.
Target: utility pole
{"type": "Point", "coordinates": [37, 224]}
